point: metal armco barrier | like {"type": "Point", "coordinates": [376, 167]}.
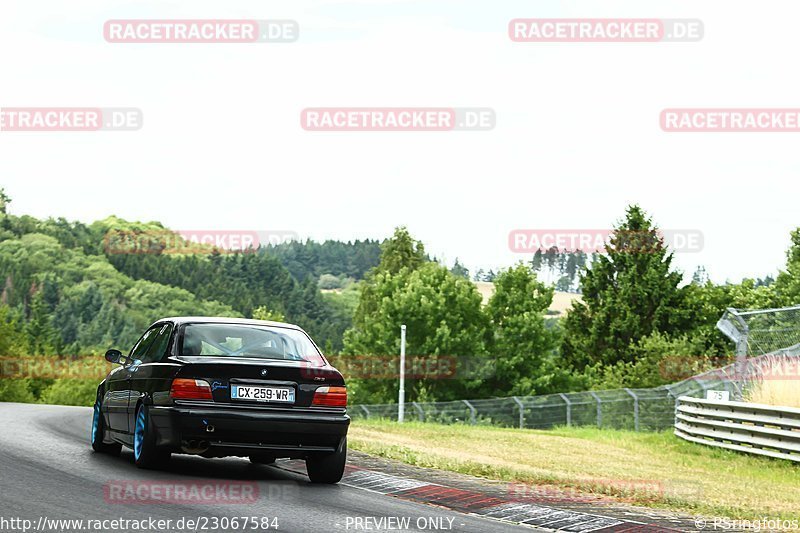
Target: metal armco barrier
{"type": "Point", "coordinates": [744, 427]}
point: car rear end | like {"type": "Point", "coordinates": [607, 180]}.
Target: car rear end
{"type": "Point", "coordinates": [244, 405]}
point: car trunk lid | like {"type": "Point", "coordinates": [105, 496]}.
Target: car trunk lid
{"type": "Point", "coordinates": [224, 373]}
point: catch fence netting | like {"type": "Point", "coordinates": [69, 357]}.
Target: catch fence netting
{"type": "Point", "coordinates": [766, 340]}
{"type": "Point", "coordinates": [634, 409]}
{"type": "Point", "coordinates": [762, 331]}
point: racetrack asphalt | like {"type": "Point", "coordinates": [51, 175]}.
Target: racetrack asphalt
{"type": "Point", "coordinates": [48, 472]}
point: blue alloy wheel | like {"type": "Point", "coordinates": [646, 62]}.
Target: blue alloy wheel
{"type": "Point", "coordinates": [138, 436]}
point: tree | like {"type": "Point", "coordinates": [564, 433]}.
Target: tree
{"type": "Point", "coordinates": [700, 276]}
{"type": "Point", "coordinates": [564, 284]}
{"type": "Point", "coordinates": [444, 318]}
{"type": "Point", "coordinates": [660, 360]}
{"type": "Point", "coordinates": [400, 254]}
{"type": "Point", "coordinates": [263, 313]}
{"type": "Point", "coordinates": [4, 201]}
{"type": "Point", "coordinates": [459, 270]}
{"type": "Point", "coordinates": [706, 302]}
{"type": "Point", "coordinates": [787, 286]}
{"type": "Point", "coordinates": [536, 261]}
{"type": "Point", "coordinates": [628, 293]}
{"type": "Point", "coordinates": [329, 281]}
{"type": "Point", "coordinates": [520, 341]}
{"type": "Point", "coordinates": [442, 312]}
{"type": "Point", "coordinates": [12, 341]}
{"type": "Point", "coordinates": [42, 336]}
{"type": "Point", "coordinates": [340, 259]}
{"type": "Point", "coordinates": [765, 282]}
{"type": "Point", "coordinates": [401, 251]}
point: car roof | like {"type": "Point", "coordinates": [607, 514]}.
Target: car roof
{"type": "Point", "coordinates": [224, 320]}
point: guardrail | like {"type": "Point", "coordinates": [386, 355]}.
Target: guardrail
{"type": "Point", "coordinates": [745, 427]}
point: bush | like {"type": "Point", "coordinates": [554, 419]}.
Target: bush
{"type": "Point", "coordinates": [16, 390]}
{"type": "Point", "coordinates": [70, 392]}
{"type": "Point", "coordinates": [658, 360]}
{"type": "Point", "coordinates": [329, 281]}
{"type": "Point", "coordinates": [264, 313]}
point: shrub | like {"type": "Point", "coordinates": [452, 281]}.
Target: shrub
{"type": "Point", "coordinates": [16, 390]}
{"type": "Point", "coordinates": [329, 281]}
{"type": "Point", "coordinates": [70, 392]}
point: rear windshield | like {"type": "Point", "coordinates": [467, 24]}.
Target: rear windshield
{"type": "Point", "coordinates": [245, 340]}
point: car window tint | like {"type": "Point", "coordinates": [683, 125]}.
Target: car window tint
{"type": "Point", "coordinates": [248, 340]}
{"type": "Point", "coordinates": [144, 343]}
{"type": "Point", "coordinates": [159, 345]}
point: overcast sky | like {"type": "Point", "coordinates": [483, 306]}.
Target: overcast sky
{"type": "Point", "coordinates": [577, 135]}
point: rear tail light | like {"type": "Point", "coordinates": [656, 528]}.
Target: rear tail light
{"type": "Point", "coordinates": [330, 397]}
{"type": "Point", "coordinates": [190, 389]}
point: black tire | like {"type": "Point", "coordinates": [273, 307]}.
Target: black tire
{"type": "Point", "coordinates": [262, 459]}
{"type": "Point", "coordinates": [145, 452]}
{"type": "Point", "coordinates": [98, 433]}
{"type": "Point", "coordinates": [328, 468]}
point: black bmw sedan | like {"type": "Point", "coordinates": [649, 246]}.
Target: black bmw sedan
{"type": "Point", "coordinates": [220, 387]}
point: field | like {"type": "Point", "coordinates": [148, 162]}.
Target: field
{"type": "Point", "coordinates": [561, 300]}
{"type": "Point", "coordinates": [652, 469]}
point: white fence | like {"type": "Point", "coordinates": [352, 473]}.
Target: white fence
{"type": "Point", "coordinates": [745, 427]}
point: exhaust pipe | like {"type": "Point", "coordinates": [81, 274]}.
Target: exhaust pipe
{"type": "Point", "coordinates": [194, 447]}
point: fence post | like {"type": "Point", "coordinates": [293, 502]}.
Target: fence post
{"type": "Point", "coordinates": [742, 364]}
{"type": "Point", "coordinates": [419, 410]}
{"type": "Point", "coordinates": [675, 403]}
{"type": "Point", "coordinates": [671, 394]}
{"type": "Point", "coordinates": [569, 407]}
{"type": "Point", "coordinates": [599, 409]}
{"type": "Point", "coordinates": [635, 409]}
{"type": "Point", "coordinates": [521, 412]}
{"type": "Point", "coordinates": [471, 412]}
{"type": "Point", "coordinates": [704, 387]}
{"type": "Point", "coordinates": [364, 407]}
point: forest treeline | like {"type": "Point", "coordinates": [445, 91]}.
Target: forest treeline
{"type": "Point", "coordinates": [66, 292]}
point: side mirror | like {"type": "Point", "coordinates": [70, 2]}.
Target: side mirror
{"type": "Point", "coordinates": [115, 356]}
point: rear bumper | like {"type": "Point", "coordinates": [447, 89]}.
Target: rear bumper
{"type": "Point", "coordinates": [224, 430]}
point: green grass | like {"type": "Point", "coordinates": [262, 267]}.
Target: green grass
{"type": "Point", "coordinates": [652, 469]}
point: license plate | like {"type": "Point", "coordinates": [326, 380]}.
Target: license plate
{"type": "Point", "coordinates": [262, 394]}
